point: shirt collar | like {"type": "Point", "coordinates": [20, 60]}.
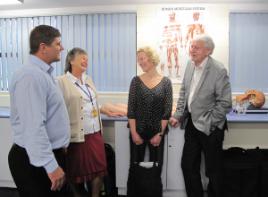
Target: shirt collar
{"type": "Point", "coordinates": [74, 79]}
{"type": "Point", "coordinates": [41, 64]}
{"type": "Point", "coordinates": [202, 65]}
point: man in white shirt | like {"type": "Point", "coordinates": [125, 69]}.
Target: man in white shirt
{"type": "Point", "coordinates": [205, 99]}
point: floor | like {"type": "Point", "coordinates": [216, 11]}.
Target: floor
{"type": "Point", "coordinates": [11, 192]}
{"type": "Point", "coordinates": [7, 192]}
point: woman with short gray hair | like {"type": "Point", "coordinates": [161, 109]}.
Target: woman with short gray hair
{"type": "Point", "coordinates": [86, 161]}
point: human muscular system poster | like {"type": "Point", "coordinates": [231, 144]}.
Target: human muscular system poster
{"type": "Point", "coordinates": [177, 27]}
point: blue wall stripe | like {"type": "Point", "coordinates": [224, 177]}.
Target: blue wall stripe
{"type": "Point", "coordinates": [109, 39]}
{"type": "Point", "coordinates": [248, 53]}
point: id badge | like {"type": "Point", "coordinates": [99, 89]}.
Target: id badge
{"type": "Point", "coordinates": [94, 113]}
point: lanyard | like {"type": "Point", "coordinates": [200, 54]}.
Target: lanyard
{"type": "Point", "coordinates": [94, 113]}
{"type": "Point", "coordinates": [86, 92]}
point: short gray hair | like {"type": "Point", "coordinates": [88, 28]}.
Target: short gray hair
{"type": "Point", "coordinates": [70, 56]}
{"type": "Point", "coordinates": [209, 43]}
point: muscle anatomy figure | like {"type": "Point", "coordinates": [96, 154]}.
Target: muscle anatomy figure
{"type": "Point", "coordinates": [194, 29]}
{"type": "Point", "coordinates": [171, 40]}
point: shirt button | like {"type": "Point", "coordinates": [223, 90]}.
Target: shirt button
{"type": "Point", "coordinates": [82, 129]}
{"type": "Point", "coordinates": [81, 118]}
{"type": "Point", "coordinates": [81, 107]}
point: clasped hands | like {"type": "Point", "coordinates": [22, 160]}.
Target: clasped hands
{"type": "Point", "coordinates": [155, 140]}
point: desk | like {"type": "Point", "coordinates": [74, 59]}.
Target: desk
{"type": "Point", "coordinates": [6, 143]}
{"type": "Point", "coordinates": [247, 118]}
{"type": "Point", "coordinates": [247, 131]}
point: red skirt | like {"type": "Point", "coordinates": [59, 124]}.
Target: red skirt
{"type": "Point", "coordinates": [86, 160]}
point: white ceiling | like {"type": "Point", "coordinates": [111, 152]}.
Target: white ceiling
{"type": "Point", "coordinates": [38, 4]}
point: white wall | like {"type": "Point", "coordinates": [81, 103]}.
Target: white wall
{"type": "Point", "coordinates": [218, 20]}
{"type": "Point", "coordinates": [4, 99]}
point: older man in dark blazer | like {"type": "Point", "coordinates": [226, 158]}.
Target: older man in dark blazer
{"type": "Point", "coordinates": [205, 99]}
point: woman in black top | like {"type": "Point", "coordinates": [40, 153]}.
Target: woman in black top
{"type": "Point", "coordinates": [149, 107]}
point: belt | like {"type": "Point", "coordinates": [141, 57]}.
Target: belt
{"type": "Point", "coordinates": [58, 150]}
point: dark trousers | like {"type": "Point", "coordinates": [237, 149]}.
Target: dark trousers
{"type": "Point", "coordinates": [32, 181]}
{"type": "Point", "coordinates": [137, 152]}
{"type": "Point", "coordinates": [196, 142]}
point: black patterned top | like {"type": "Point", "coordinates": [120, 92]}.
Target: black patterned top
{"type": "Point", "coordinates": [148, 106]}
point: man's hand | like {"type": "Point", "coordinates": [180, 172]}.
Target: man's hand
{"type": "Point", "coordinates": [57, 178]}
{"type": "Point", "coordinates": [174, 122]}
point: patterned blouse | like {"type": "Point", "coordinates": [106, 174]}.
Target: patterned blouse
{"type": "Point", "coordinates": [148, 106]}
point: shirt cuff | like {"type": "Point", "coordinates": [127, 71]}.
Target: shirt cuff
{"type": "Point", "coordinates": [51, 166]}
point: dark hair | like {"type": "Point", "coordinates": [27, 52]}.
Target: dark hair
{"type": "Point", "coordinates": [70, 56]}
{"type": "Point", "coordinates": [42, 34]}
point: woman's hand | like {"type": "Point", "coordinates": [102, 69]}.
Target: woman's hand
{"type": "Point", "coordinates": [136, 138]}
{"type": "Point", "coordinates": [114, 114]}
{"type": "Point", "coordinates": [114, 110]}
{"type": "Point", "coordinates": [155, 141]}
{"type": "Point", "coordinates": [174, 122]}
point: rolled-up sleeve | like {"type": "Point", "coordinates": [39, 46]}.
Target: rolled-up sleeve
{"type": "Point", "coordinates": [168, 101]}
{"type": "Point", "coordinates": [132, 100]}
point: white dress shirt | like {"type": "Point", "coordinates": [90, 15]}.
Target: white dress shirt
{"type": "Point", "coordinates": [90, 123]}
{"type": "Point", "coordinates": [198, 71]}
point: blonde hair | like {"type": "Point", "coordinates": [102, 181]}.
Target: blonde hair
{"type": "Point", "coordinates": [151, 54]}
